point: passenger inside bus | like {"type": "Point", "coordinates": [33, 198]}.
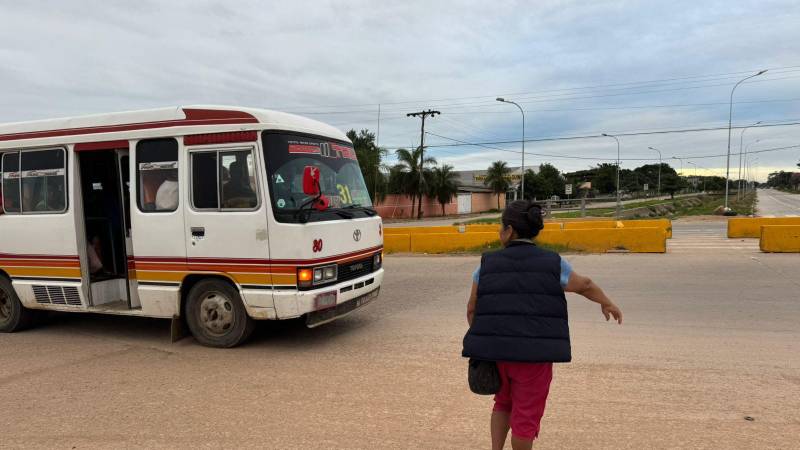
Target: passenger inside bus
{"type": "Point", "coordinates": [94, 251]}
{"type": "Point", "coordinates": [167, 194]}
{"type": "Point", "coordinates": [237, 192]}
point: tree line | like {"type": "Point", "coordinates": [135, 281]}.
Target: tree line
{"type": "Point", "coordinates": [784, 180]}
{"type": "Point", "coordinates": [407, 177]}
{"type": "Point", "coordinates": [441, 181]}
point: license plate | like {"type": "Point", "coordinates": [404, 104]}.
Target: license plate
{"type": "Point", "coordinates": [363, 300]}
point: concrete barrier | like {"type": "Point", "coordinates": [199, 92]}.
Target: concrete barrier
{"type": "Point", "coordinates": [479, 228]}
{"type": "Point", "coordinates": [750, 227]}
{"type": "Point", "coordinates": [629, 236]}
{"type": "Point", "coordinates": [397, 243]}
{"type": "Point", "coordinates": [780, 238]}
{"type": "Point", "coordinates": [594, 224]}
{"type": "Point", "coordinates": [450, 242]}
{"type": "Point", "coordinates": [598, 240]}
{"type": "Point", "coordinates": [665, 224]}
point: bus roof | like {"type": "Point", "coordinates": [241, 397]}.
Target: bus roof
{"type": "Point", "coordinates": [163, 118]}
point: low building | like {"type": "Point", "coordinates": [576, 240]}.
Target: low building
{"type": "Point", "coordinates": [473, 197]}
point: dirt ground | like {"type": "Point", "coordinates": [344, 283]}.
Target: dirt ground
{"type": "Point", "coordinates": [706, 343]}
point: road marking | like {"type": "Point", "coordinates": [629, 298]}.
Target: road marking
{"type": "Point", "coordinates": [708, 239]}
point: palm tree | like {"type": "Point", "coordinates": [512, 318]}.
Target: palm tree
{"type": "Point", "coordinates": [497, 178]}
{"type": "Point", "coordinates": [443, 185]}
{"type": "Point", "coordinates": [370, 160]}
{"type": "Point", "coordinates": [408, 174]}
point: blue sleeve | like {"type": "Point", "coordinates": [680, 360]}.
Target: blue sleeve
{"type": "Point", "coordinates": [566, 271]}
{"type": "Point", "coordinates": [476, 274]}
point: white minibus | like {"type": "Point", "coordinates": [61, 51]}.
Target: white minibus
{"type": "Point", "coordinates": [213, 217]}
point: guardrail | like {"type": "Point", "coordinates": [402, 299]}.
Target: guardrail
{"type": "Point", "coordinates": [750, 227]}
{"type": "Point", "coordinates": [780, 238]}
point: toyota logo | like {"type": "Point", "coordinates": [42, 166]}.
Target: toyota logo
{"type": "Point", "coordinates": [357, 235]}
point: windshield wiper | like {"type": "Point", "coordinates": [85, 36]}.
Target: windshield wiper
{"type": "Point", "coordinates": [367, 210]}
{"type": "Point", "coordinates": [304, 213]}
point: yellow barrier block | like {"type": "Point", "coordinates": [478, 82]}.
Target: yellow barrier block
{"type": "Point", "coordinates": [780, 238]}
{"type": "Point", "coordinates": [448, 242]}
{"type": "Point", "coordinates": [666, 224]}
{"type": "Point", "coordinates": [750, 227]}
{"type": "Point", "coordinates": [594, 224]}
{"type": "Point", "coordinates": [396, 243]}
{"type": "Point", "coordinates": [636, 240]}
{"type": "Point", "coordinates": [420, 230]}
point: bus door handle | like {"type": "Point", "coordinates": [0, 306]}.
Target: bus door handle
{"type": "Point", "coordinates": [198, 232]}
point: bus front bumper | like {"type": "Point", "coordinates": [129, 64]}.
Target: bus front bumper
{"type": "Point", "coordinates": [330, 302]}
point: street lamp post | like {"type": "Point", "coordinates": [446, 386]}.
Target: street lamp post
{"type": "Point", "coordinates": [659, 169]}
{"type": "Point", "coordinates": [680, 173]}
{"type": "Point", "coordinates": [619, 200]}
{"type": "Point", "coordinates": [741, 137]}
{"type": "Point", "coordinates": [746, 151]}
{"type": "Point", "coordinates": [522, 182]}
{"type": "Point", "coordinates": [730, 121]}
{"type": "Point", "coordinates": [695, 174]}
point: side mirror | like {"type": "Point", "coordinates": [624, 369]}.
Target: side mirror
{"type": "Point", "coordinates": [311, 181]}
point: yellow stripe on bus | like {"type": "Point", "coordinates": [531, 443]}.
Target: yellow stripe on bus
{"type": "Point", "coordinates": [43, 272]}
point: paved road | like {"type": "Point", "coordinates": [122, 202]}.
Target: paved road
{"type": "Point", "coordinates": [708, 339]}
{"type": "Point", "coordinates": [707, 236]}
{"type": "Point", "coordinates": [777, 203]}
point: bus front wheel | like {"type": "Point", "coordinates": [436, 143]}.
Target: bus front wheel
{"type": "Point", "coordinates": [216, 315]}
{"type": "Point", "coordinates": [13, 316]}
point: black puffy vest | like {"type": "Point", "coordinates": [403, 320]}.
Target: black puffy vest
{"type": "Point", "coordinates": [521, 312]}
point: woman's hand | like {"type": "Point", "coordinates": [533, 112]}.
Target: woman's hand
{"type": "Point", "coordinates": [611, 310]}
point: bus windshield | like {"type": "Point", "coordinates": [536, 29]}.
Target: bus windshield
{"type": "Point", "coordinates": [287, 156]}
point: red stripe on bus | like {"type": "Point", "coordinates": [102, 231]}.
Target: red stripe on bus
{"type": "Point", "coordinates": [105, 145]}
{"type": "Point", "coordinates": [172, 260]}
{"type": "Point", "coordinates": [193, 117]}
{"type": "Point", "coordinates": [220, 138]}
{"type": "Point", "coordinates": [21, 256]}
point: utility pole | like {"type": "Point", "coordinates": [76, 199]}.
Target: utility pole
{"type": "Point", "coordinates": [377, 157]}
{"type": "Point", "coordinates": [423, 115]}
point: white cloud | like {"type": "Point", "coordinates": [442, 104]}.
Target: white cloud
{"type": "Point", "coordinates": [67, 58]}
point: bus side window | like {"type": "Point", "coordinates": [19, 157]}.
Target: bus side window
{"type": "Point", "coordinates": [157, 173]}
{"type": "Point", "coordinates": [34, 181]}
{"type": "Point", "coordinates": [10, 179]}
{"type": "Point", "coordinates": [43, 174]}
{"type": "Point", "coordinates": [204, 180]}
{"type": "Point", "coordinates": [224, 180]}
{"type": "Point", "coordinates": [239, 192]}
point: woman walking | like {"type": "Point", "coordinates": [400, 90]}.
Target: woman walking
{"type": "Point", "coordinates": [517, 313]}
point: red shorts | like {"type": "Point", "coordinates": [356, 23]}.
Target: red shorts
{"type": "Point", "coordinates": [523, 394]}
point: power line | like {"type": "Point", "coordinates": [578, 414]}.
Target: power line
{"type": "Point", "coordinates": [489, 146]}
{"type": "Point", "coordinates": [491, 97]}
{"type": "Point", "coordinates": [595, 136]}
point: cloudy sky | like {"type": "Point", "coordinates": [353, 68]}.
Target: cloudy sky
{"type": "Point", "coordinates": [577, 69]}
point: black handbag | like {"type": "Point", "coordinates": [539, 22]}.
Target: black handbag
{"type": "Point", "coordinates": [483, 377]}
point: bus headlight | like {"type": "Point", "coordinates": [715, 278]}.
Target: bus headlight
{"type": "Point", "coordinates": [377, 261]}
{"type": "Point", "coordinates": [308, 277]}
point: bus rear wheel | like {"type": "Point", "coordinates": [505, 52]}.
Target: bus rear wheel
{"type": "Point", "coordinates": [13, 316]}
{"type": "Point", "coordinates": [216, 315]}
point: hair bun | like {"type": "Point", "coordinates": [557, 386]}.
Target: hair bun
{"type": "Point", "coordinates": [534, 216]}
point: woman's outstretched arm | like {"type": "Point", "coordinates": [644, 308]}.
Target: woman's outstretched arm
{"type": "Point", "coordinates": [587, 288]}
{"type": "Point", "coordinates": [473, 298]}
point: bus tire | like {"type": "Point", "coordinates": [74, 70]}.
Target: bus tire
{"type": "Point", "coordinates": [13, 316]}
{"type": "Point", "coordinates": [216, 315]}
